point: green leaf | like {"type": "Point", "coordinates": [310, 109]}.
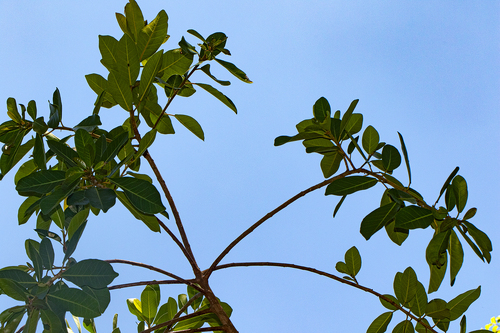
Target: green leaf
{"type": "Point", "coordinates": [447, 182]}
{"type": "Point", "coordinates": [63, 152]}
{"type": "Point", "coordinates": [101, 198]}
{"type": "Point", "coordinates": [437, 247]}
{"type": "Point", "coordinates": [146, 141]}
{"type": "Point", "coordinates": [349, 185]}
{"type": "Point", "coordinates": [217, 94]}
{"type": "Point", "coordinates": [149, 74]}
{"type": "Point", "coordinates": [450, 199]}
{"type": "Point", "coordinates": [37, 261]}
{"type": "Point", "coordinates": [114, 147]}
{"type": "Point", "coordinates": [150, 299]}
{"type": "Point", "coordinates": [127, 60]}
{"type": "Point", "coordinates": [405, 285]}
{"type": "Point", "coordinates": [405, 154]}
{"type": "Point", "coordinates": [419, 303]}
{"type": "Point", "coordinates": [321, 109]}
{"type": "Point", "coordinates": [152, 36]}
{"type": "Point", "coordinates": [388, 305]}
{"type": "Point", "coordinates": [482, 240]}
{"type": "Point", "coordinates": [100, 86]}
{"type": "Point", "coordinates": [347, 116]}
{"type": "Point", "coordinates": [206, 69]}
{"type": "Point", "coordinates": [135, 308]}
{"type": "Point", "coordinates": [134, 18]}
{"type": "Point", "coordinates": [39, 153]}
{"type": "Point", "coordinates": [437, 309]}
{"type": "Point", "coordinates": [353, 261]}
{"type": "Point", "coordinates": [40, 182]}
{"type": "Point", "coordinates": [141, 194]}
{"type": "Point", "coordinates": [120, 90]}
{"type": "Point", "coordinates": [405, 326]}
{"type": "Point", "coordinates": [460, 190]}
{"type": "Point", "coordinates": [48, 203]}
{"type": "Point", "coordinates": [13, 289]}
{"type": "Point", "coordinates": [379, 325]}
{"type": "Point", "coordinates": [89, 124]}
{"type": "Point", "coordinates": [19, 276]}
{"type": "Point", "coordinates": [76, 301]}
{"type": "Point", "coordinates": [85, 146]}
{"type": "Point", "coordinates": [32, 109]}
{"type": "Point", "coordinates": [377, 219]}
{"type": "Point", "coordinates": [102, 296]}
{"type": "Point", "coordinates": [150, 220]}
{"type": "Point", "coordinates": [191, 124]}
{"type": "Point", "coordinates": [234, 70]}
{"type": "Point", "coordinates": [397, 235]}
{"type": "Point", "coordinates": [330, 163]}
{"type": "Point", "coordinates": [420, 328]}
{"type": "Point", "coordinates": [174, 63]}
{"type": "Point", "coordinates": [39, 126]}
{"type": "Point", "coordinates": [413, 217]}
{"type": "Point", "coordinates": [76, 221]}
{"type": "Point", "coordinates": [51, 321]}
{"type": "Point", "coordinates": [107, 46]}
{"type": "Point", "coordinates": [73, 242]}
{"type": "Point", "coordinates": [456, 256]}
{"type": "Point", "coordinates": [166, 312]}
{"type": "Point", "coordinates": [470, 213]}
{"type": "Point", "coordinates": [391, 158]}
{"type": "Point", "coordinates": [55, 110]}
{"type": "Point", "coordinates": [46, 253]}
{"type": "Point", "coordinates": [94, 273]}
{"type": "Point", "coordinates": [461, 303]}
{"type": "Point", "coordinates": [437, 275]}
{"type": "Point", "coordinates": [370, 139]}
{"type": "Point", "coordinates": [27, 209]}
{"type": "Point", "coordinates": [12, 111]}
{"type": "Point", "coordinates": [337, 207]}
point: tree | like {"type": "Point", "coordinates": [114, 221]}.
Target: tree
{"type": "Point", "coordinates": [87, 179]}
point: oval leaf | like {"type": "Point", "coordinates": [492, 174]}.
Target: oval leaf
{"type": "Point", "coordinates": [191, 124]}
{"type": "Point", "coordinates": [141, 194]}
{"type": "Point", "coordinates": [94, 273]}
{"type": "Point", "coordinates": [349, 185]}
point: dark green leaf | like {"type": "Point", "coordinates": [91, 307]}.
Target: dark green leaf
{"type": "Point", "coordinates": [379, 325]}
{"type": "Point", "coordinates": [450, 199]}
{"type": "Point", "coordinates": [13, 289]}
{"type": "Point", "coordinates": [391, 158]}
{"type": "Point", "coordinates": [89, 124]}
{"type": "Point", "coordinates": [347, 116]}
{"type": "Point", "coordinates": [437, 247]}
{"type": "Point", "coordinates": [460, 189]}
{"type": "Point", "coordinates": [150, 220]}
{"type": "Point", "coordinates": [337, 207]}
{"type": "Point", "coordinates": [470, 213]}
{"type": "Point", "coordinates": [134, 18]}
{"type": "Point", "coordinates": [107, 46]}
{"type": "Point", "coordinates": [482, 240]}
{"type": "Point", "coordinates": [76, 221]}
{"type": "Point", "coordinates": [447, 182]}
{"type": "Point", "coordinates": [191, 124]}
{"type": "Point", "coordinates": [420, 328]}
{"type": "Point", "coordinates": [405, 326]}
{"type": "Point", "coordinates": [456, 256]}
{"type": "Point", "coordinates": [141, 194]}
{"type": "Point", "coordinates": [419, 303]}
{"type": "Point", "coordinates": [37, 261]}
{"type": "Point", "coordinates": [12, 111]}
{"type": "Point", "coordinates": [166, 311]}
{"type": "Point", "coordinates": [405, 286]}
{"type": "Point", "coordinates": [330, 163]}
{"type": "Point", "coordinates": [461, 303]}
{"type": "Point", "coordinates": [48, 203]}
{"type": "Point", "coordinates": [206, 69]}
{"type": "Point", "coordinates": [152, 36]}
{"type": "Point", "coordinates": [73, 242]}
{"type": "Point", "coordinates": [114, 147]}
{"type": "Point", "coordinates": [405, 154]}
{"type": "Point", "coordinates": [94, 273]}
{"type": "Point", "coordinates": [217, 94]}
{"type": "Point", "coordinates": [101, 198]}
{"type": "Point", "coordinates": [102, 296]}
{"type": "Point", "coordinates": [234, 70]}
{"type": "Point", "coordinates": [387, 304]}
{"type": "Point", "coordinates": [370, 139]}
{"type": "Point", "coordinates": [51, 321]}
{"type": "Point", "coordinates": [46, 253]}
{"type": "Point", "coordinates": [41, 182]}
{"type": "Point", "coordinates": [349, 185]}
{"type": "Point", "coordinates": [63, 152]}
{"type": "Point", "coordinates": [353, 261]}
{"type": "Point", "coordinates": [100, 86]}
{"type": "Point", "coordinates": [39, 153]}
{"type": "Point", "coordinates": [76, 301]}
{"type": "Point", "coordinates": [321, 109]}
{"type": "Point", "coordinates": [19, 276]}
{"type": "Point", "coordinates": [437, 309]}
{"type": "Point", "coordinates": [174, 63]}
{"type": "Point", "coordinates": [377, 219]}
{"type": "Point", "coordinates": [120, 90]}
{"type": "Point", "coordinates": [149, 74]}
{"type": "Point", "coordinates": [413, 217]}
{"type": "Point", "coordinates": [40, 126]}
{"type": "Point", "coordinates": [397, 235]}
{"type": "Point", "coordinates": [437, 275]}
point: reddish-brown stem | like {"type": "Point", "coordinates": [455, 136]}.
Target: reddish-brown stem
{"type": "Point", "coordinates": [146, 283]}
{"type": "Point", "coordinates": [271, 214]}
{"type": "Point", "coordinates": [174, 238]}
{"type": "Point", "coordinates": [331, 276]}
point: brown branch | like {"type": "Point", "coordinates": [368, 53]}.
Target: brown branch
{"type": "Point", "coordinates": [156, 269]}
{"type": "Point", "coordinates": [147, 283]}
{"type": "Point", "coordinates": [328, 275]}
{"type": "Point", "coordinates": [174, 238]}
{"type": "Point", "coordinates": [201, 329]}
{"type": "Point", "coordinates": [271, 214]}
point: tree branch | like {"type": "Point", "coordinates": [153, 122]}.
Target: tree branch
{"type": "Point", "coordinates": [175, 320]}
{"type": "Point", "coordinates": [331, 276]}
{"type": "Point", "coordinates": [271, 214]}
{"type": "Point", "coordinates": [146, 283]}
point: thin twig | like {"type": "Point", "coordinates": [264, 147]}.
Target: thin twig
{"type": "Point", "coordinates": [331, 276]}
{"type": "Point", "coordinates": [175, 320]}
{"type": "Point", "coordinates": [174, 238]}
{"type": "Point", "coordinates": [271, 214]}
{"type": "Point", "coordinates": [147, 283]}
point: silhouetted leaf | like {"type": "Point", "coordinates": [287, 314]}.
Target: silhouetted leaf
{"type": "Point", "coordinates": [349, 185]}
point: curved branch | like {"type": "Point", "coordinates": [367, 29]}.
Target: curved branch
{"type": "Point", "coordinates": [175, 320]}
{"type": "Point", "coordinates": [156, 269]}
{"type": "Point", "coordinates": [271, 214]}
{"type": "Point", "coordinates": [146, 283]}
{"type": "Point", "coordinates": [331, 276]}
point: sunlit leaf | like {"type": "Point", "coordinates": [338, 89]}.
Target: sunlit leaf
{"type": "Point", "coordinates": [191, 124]}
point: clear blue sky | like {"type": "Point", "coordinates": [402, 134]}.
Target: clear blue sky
{"type": "Point", "coordinates": [428, 69]}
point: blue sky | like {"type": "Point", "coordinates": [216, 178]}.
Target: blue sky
{"type": "Point", "coordinates": [430, 70]}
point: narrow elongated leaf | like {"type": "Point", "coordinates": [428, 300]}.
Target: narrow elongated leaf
{"type": "Point", "coordinates": [150, 299]}
{"type": "Point", "coordinates": [134, 18]}
{"type": "Point", "coordinates": [379, 325]}
{"type": "Point", "coordinates": [73, 242]}
{"type": "Point", "coordinates": [76, 301]}
{"type": "Point", "coordinates": [146, 141]}
{"type": "Point", "coordinates": [206, 69]}
{"type": "Point", "coordinates": [37, 261]}
{"type": "Point", "coordinates": [347, 116]}
{"type": "Point", "coordinates": [12, 110]}
{"type": "Point", "coordinates": [150, 220]}
{"type": "Point", "coordinates": [13, 289]}
{"type": "Point", "coordinates": [39, 153]}
{"type": "Point", "coordinates": [107, 45]}
{"type": "Point", "coordinates": [46, 253]}
{"type": "Point", "coordinates": [114, 147]}
{"type": "Point", "coordinates": [127, 61]}
{"type": "Point", "coordinates": [413, 217]}
{"type": "Point", "coordinates": [482, 240]}
{"type": "Point", "coordinates": [456, 256]}
{"type": "Point", "coordinates": [141, 194]}
{"type": "Point", "coordinates": [94, 273]}
{"type": "Point", "coordinates": [191, 124]}
{"type": "Point", "coordinates": [27, 208]}
{"type": "Point", "coordinates": [447, 182]}
{"type": "Point", "coordinates": [405, 154]}
{"type": "Point", "coordinates": [41, 182]}
{"type": "Point", "coordinates": [76, 221]}
{"type": "Point", "coordinates": [152, 36]}
{"type": "Point", "coordinates": [83, 142]}
{"type": "Point", "coordinates": [217, 94]}
{"type": "Point", "coordinates": [234, 70]}
{"type": "Point", "coordinates": [437, 275]}
{"type": "Point", "coordinates": [63, 152]}
{"type": "Point", "coordinates": [377, 219]}
{"type": "Point", "coordinates": [370, 139]}
{"type": "Point", "coordinates": [349, 185]}
{"type": "Point", "coordinates": [437, 247]}
{"type": "Point", "coordinates": [149, 74]}
{"type": "Point", "coordinates": [460, 189]}
{"type": "Point", "coordinates": [461, 303]}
